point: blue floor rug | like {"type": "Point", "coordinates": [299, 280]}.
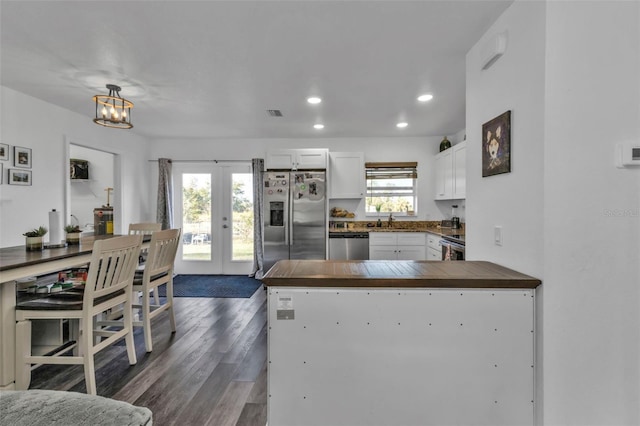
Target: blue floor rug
{"type": "Point", "coordinates": [237, 286]}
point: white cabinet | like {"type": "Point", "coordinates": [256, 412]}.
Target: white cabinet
{"type": "Point", "coordinates": [296, 159]}
{"type": "Point", "coordinates": [459, 160]}
{"type": "Point", "coordinates": [347, 176]}
{"type": "Point", "coordinates": [444, 175]}
{"type": "Point", "coordinates": [397, 246]}
{"type": "Point", "coordinates": [451, 173]}
{"type": "Point", "coordinates": [434, 251]}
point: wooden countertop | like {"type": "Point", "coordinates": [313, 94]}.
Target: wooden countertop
{"type": "Point", "coordinates": [398, 273]}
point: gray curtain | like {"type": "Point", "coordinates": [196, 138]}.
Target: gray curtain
{"type": "Point", "coordinates": [257, 165]}
{"type": "Point", "coordinates": [164, 213]}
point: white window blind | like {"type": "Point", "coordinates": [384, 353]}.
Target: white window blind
{"type": "Point", "coordinates": [391, 187]}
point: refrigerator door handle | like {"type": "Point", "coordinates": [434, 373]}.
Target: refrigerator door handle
{"type": "Point", "coordinates": [286, 233]}
{"type": "Point", "coordinates": [289, 231]}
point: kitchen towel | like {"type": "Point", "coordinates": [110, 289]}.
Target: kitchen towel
{"type": "Point", "coordinates": [55, 228]}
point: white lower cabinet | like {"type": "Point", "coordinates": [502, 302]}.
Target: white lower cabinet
{"type": "Point", "coordinates": [434, 252]}
{"type": "Point", "coordinates": [397, 246]}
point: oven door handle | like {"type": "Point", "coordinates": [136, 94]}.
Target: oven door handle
{"type": "Point", "coordinates": [458, 247]}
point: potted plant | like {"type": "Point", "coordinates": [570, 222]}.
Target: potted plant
{"type": "Point", "coordinates": [378, 207]}
{"type": "Point", "coordinates": [34, 240]}
{"type": "Point", "coordinates": [73, 234]}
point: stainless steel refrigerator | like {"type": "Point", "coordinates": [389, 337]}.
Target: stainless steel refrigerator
{"type": "Point", "coordinates": [294, 216]}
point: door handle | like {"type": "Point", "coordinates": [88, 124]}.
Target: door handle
{"type": "Point", "coordinates": [225, 226]}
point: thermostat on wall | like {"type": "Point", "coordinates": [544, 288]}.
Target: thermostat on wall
{"type": "Point", "coordinates": [627, 154]}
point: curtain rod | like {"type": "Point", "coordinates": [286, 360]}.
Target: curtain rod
{"type": "Point", "coordinates": [205, 161]}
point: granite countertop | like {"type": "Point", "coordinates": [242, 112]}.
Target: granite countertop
{"type": "Point", "coordinates": [432, 227]}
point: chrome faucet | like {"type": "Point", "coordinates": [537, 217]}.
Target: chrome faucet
{"type": "Point", "coordinates": [390, 220]}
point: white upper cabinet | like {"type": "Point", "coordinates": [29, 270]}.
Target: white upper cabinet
{"type": "Point", "coordinates": [296, 159]}
{"type": "Point", "coordinates": [451, 173]}
{"type": "Point", "coordinates": [280, 159]}
{"type": "Point", "coordinates": [459, 170]}
{"type": "Point", "coordinates": [347, 177]}
{"type": "Point", "coordinates": [444, 175]}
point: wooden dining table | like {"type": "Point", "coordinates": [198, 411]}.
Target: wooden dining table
{"type": "Point", "coordinates": [16, 264]}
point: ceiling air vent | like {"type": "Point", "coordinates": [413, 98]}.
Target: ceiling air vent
{"type": "Point", "coordinates": [274, 113]}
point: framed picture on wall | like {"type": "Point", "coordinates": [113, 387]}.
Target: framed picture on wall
{"type": "Point", "coordinates": [496, 145]}
{"type": "Point", "coordinates": [22, 157]}
{"type": "Point", "coordinates": [4, 151]}
{"type": "Point", "coordinates": [79, 169]}
{"type": "Point", "coordinates": [19, 177]}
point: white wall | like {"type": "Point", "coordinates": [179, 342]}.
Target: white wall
{"type": "Point", "coordinates": [512, 200]}
{"type": "Point", "coordinates": [422, 150]}
{"type": "Point", "coordinates": [47, 129]}
{"type": "Point", "coordinates": [570, 77]}
{"type": "Point", "coordinates": [592, 215]}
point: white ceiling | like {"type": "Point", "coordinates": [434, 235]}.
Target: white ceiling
{"type": "Point", "coordinates": [205, 69]}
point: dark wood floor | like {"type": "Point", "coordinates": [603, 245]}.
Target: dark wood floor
{"type": "Point", "coordinates": [212, 371]}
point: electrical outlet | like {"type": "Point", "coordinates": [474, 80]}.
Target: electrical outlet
{"type": "Point", "coordinates": [497, 235]}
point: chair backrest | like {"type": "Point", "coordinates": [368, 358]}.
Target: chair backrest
{"type": "Point", "coordinates": [144, 228]}
{"type": "Point", "coordinates": [162, 253]}
{"type": "Point", "coordinates": [112, 268]}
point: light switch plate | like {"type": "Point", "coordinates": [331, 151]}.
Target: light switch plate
{"type": "Point", "coordinates": [497, 235]}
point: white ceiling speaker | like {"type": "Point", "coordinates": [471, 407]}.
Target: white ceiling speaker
{"type": "Point", "coordinates": [493, 49]}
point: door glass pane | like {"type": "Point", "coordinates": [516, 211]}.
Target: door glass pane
{"type": "Point", "coordinates": [196, 216]}
{"type": "Point", "coordinates": [242, 216]}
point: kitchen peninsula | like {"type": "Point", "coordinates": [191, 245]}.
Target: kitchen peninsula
{"type": "Point", "coordinates": [399, 342]}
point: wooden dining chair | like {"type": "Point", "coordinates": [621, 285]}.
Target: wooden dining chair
{"type": "Point", "coordinates": [158, 271]}
{"type": "Point", "coordinates": [145, 228]}
{"type": "Point", "coordinates": [109, 284]}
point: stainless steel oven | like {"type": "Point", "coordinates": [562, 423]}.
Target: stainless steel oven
{"type": "Point", "coordinates": [452, 250]}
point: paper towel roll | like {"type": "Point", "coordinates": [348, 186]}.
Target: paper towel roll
{"type": "Point", "coordinates": [55, 228]}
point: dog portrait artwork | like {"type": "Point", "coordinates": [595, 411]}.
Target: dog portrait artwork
{"type": "Point", "coordinates": [496, 145]}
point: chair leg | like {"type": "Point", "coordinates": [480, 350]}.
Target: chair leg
{"type": "Point", "coordinates": [86, 348]}
{"type": "Point", "coordinates": [23, 349]}
{"type": "Point", "coordinates": [172, 317]}
{"type": "Point", "coordinates": [156, 297]}
{"type": "Point", "coordinates": [74, 334]}
{"type": "Point", "coordinates": [127, 318]}
{"type": "Point", "coordinates": [146, 321]}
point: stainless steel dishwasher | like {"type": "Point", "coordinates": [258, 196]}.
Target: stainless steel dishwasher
{"type": "Point", "coordinates": [349, 245]}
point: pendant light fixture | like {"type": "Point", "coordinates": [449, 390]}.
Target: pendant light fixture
{"type": "Point", "coordinates": [112, 110]}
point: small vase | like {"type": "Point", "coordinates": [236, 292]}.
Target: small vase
{"type": "Point", "coordinates": [34, 244]}
{"type": "Point", "coordinates": [445, 144]}
{"type": "Point", "coordinates": [73, 238]}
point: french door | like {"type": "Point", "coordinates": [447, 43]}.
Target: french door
{"type": "Point", "coordinates": [213, 203]}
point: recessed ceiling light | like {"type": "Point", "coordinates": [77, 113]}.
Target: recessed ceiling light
{"type": "Point", "coordinates": [318, 126]}
{"type": "Point", "coordinates": [314, 100]}
{"type": "Point", "coordinates": [402, 125]}
{"type": "Point", "coordinates": [425, 98]}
